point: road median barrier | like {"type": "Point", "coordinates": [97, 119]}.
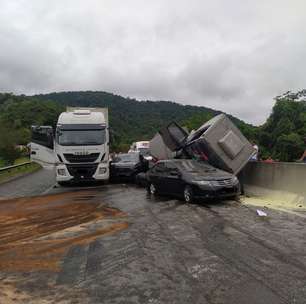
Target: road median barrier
{"type": "Point", "coordinates": [276, 184]}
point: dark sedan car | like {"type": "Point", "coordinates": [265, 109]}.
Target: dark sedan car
{"type": "Point", "coordinates": [127, 166]}
{"type": "Point", "coordinates": [191, 179]}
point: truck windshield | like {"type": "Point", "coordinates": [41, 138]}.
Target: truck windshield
{"type": "Point", "coordinates": [80, 137]}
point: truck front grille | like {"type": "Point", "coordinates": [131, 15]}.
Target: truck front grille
{"type": "Point", "coordinates": [82, 171]}
{"type": "Point", "coordinates": [89, 158]}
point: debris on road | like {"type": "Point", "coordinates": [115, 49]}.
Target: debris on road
{"type": "Point", "coordinates": [212, 252]}
{"type": "Point", "coordinates": [261, 213]}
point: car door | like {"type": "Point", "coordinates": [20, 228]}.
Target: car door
{"type": "Point", "coordinates": [173, 182]}
{"type": "Point", "coordinates": [42, 146]}
{"type": "Point", "coordinates": [157, 175]}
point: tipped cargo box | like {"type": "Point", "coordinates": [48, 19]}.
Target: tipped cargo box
{"type": "Point", "coordinates": [222, 143]}
{"type": "Point", "coordinates": [218, 141]}
{"type": "Point", "coordinates": [158, 149]}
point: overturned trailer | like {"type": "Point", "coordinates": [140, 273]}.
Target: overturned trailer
{"type": "Point", "coordinates": [218, 141]}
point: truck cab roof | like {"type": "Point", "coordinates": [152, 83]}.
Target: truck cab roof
{"type": "Point", "coordinates": [81, 117]}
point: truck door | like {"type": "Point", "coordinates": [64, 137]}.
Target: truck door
{"type": "Point", "coordinates": [42, 146]}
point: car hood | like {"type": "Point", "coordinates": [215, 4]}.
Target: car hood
{"type": "Point", "coordinates": [212, 174]}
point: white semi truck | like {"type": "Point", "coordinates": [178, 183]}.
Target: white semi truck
{"type": "Point", "coordinates": [79, 149]}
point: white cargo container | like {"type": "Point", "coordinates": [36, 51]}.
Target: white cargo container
{"type": "Point", "coordinates": [141, 147]}
{"type": "Point", "coordinates": [222, 143]}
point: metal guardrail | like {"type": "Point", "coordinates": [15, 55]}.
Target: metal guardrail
{"type": "Point", "coordinates": [8, 168]}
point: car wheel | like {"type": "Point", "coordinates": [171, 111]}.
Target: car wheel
{"type": "Point", "coordinates": [188, 194]}
{"type": "Point", "coordinates": [152, 189]}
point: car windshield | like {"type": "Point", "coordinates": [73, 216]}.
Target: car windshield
{"type": "Point", "coordinates": [126, 158]}
{"type": "Point", "coordinates": [195, 166]}
{"type": "Point", "coordinates": [80, 137]}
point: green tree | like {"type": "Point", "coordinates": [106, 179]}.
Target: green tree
{"type": "Point", "coordinates": [8, 150]}
{"type": "Point", "coordinates": [289, 147]}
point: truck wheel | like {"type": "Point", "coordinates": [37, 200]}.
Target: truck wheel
{"type": "Point", "coordinates": [188, 194]}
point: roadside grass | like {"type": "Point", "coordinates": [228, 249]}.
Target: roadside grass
{"type": "Point", "coordinates": [21, 160]}
{"type": "Point", "coordinates": [2, 163]}
{"type": "Point", "coordinates": [19, 171]}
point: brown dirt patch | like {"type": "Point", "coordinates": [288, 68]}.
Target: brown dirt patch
{"type": "Point", "coordinates": [36, 232]}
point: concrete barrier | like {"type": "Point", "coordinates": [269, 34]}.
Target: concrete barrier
{"type": "Point", "coordinates": [283, 183]}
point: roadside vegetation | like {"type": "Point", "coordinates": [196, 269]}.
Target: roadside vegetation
{"type": "Point", "coordinates": [281, 137]}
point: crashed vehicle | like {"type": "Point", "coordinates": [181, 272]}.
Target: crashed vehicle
{"type": "Point", "coordinates": [218, 141]}
{"type": "Point", "coordinates": [218, 144]}
{"type": "Point", "coordinates": [191, 180]}
{"type": "Point", "coordinates": [127, 166]}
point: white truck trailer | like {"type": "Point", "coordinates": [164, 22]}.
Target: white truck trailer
{"type": "Point", "coordinates": [142, 147]}
{"type": "Point", "coordinates": [79, 150]}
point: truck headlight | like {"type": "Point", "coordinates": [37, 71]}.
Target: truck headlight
{"type": "Point", "coordinates": [102, 170]}
{"type": "Point", "coordinates": [61, 172]}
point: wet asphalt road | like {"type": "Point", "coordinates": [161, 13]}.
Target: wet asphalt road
{"type": "Point", "coordinates": [220, 252]}
{"type": "Point", "coordinates": [32, 184]}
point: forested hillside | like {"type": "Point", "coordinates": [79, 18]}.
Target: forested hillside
{"type": "Point", "coordinates": [17, 114]}
{"type": "Point", "coordinates": [281, 137]}
{"type": "Point", "coordinates": [132, 120]}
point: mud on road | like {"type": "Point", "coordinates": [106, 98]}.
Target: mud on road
{"type": "Point", "coordinates": [35, 233]}
{"type": "Point", "coordinates": [114, 244]}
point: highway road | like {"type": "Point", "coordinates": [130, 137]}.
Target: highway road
{"type": "Point", "coordinates": [28, 185]}
{"type": "Point", "coordinates": [116, 244]}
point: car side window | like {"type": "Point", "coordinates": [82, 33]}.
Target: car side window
{"type": "Point", "coordinates": [170, 167]}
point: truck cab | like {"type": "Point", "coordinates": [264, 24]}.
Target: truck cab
{"type": "Point", "coordinates": [79, 147]}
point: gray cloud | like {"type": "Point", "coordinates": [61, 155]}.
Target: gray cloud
{"type": "Point", "coordinates": [233, 56]}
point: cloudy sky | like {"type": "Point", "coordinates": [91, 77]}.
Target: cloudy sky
{"type": "Point", "coordinates": [233, 56]}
